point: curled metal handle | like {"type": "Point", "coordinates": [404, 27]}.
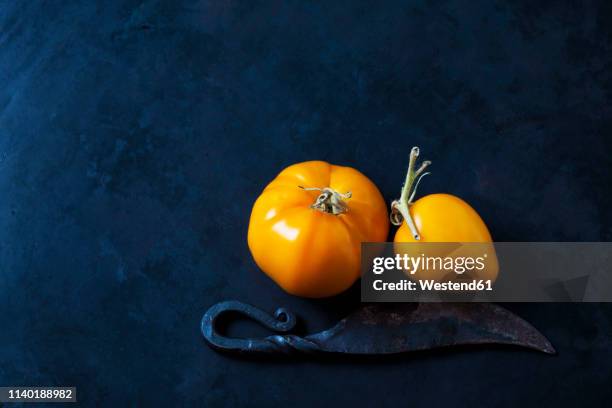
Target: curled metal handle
{"type": "Point", "coordinates": [283, 321]}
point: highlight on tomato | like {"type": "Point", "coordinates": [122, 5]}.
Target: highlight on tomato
{"type": "Point", "coordinates": [439, 218]}
{"type": "Point", "coordinates": [307, 226]}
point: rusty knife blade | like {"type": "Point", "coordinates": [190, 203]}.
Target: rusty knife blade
{"type": "Point", "coordinates": [398, 328]}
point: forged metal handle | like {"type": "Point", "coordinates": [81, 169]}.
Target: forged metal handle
{"type": "Point", "coordinates": [283, 321]}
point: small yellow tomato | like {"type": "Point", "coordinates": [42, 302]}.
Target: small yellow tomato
{"type": "Point", "coordinates": [444, 218]}
{"type": "Point", "coordinates": [307, 226]}
{"type": "Point", "coordinates": [441, 218]}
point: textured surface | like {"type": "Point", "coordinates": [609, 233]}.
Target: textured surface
{"type": "Point", "coordinates": [134, 138]}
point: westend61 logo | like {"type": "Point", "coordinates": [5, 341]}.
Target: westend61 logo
{"type": "Point", "coordinates": [411, 271]}
{"type": "Point", "coordinates": [486, 272]}
{"type": "Point", "coordinates": [432, 269]}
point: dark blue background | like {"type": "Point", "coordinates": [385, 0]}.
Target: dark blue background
{"type": "Point", "coordinates": [135, 136]}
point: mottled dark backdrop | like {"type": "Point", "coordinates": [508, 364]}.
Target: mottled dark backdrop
{"type": "Point", "coordinates": [135, 136]}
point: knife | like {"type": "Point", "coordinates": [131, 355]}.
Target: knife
{"type": "Point", "coordinates": [380, 328]}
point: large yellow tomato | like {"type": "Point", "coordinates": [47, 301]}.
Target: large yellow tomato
{"type": "Point", "coordinates": [441, 218]}
{"type": "Point", "coordinates": [307, 226]}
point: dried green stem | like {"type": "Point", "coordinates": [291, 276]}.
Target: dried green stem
{"type": "Point", "coordinates": [329, 201]}
{"type": "Point", "coordinates": [400, 209]}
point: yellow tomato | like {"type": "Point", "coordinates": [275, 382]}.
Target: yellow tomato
{"type": "Point", "coordinates": [441, 218]}
{"type": "Point", "coordinates": [447, 218]}
{"type": "Point", "coordinates": [307, 226]}
{"type": "Point", "coordinates": [444, 218]}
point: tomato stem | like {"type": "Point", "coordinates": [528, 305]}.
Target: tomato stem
{"type": "Point", "coordinates": [400, 209]}
{"type": "Point", "coordinates": [329, 201]}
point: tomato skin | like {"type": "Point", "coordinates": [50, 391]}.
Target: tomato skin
{"type": "Point", "coordinates": [308, 252]}
{"type": "Point", "coordinates": [444, 218]}
{"type": "Point", "coordinates": [447, 218]}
